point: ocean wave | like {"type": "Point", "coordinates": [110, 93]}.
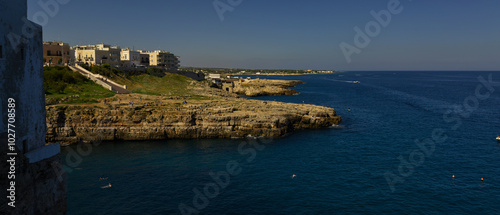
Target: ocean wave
{"type": "Point", "coordinates": [337, 126]}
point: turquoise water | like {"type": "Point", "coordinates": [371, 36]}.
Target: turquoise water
{"type": "Point", "coordinates": [370, 164]}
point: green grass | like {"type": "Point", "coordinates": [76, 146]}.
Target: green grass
{"type": "Point", "coordinates": [88, 92]}
{"type": "Point", "coordinates": [78, 90]}
{"type": "Point", "coordinates": [168, 85]}
{"type": "Point", "coordinates": [150, 82]}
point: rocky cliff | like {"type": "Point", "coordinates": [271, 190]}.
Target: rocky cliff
{"type": "Point", "coordinates": [265, 87]}
{"type": "Point", "coordinates": [212, 118]}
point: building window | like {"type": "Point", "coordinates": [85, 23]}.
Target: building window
{"type": "Point", "coordinates": [48, 53]}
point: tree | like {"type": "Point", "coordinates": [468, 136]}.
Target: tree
{"type": "Point", "coordinates": [59, 87]}
{"type": "Point", "coordinates": [155, 72]}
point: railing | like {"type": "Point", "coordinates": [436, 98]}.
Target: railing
{"type": "Point", "coordinates": [91, 76]}
{"type": "Point", "coordinates": [97, 76]}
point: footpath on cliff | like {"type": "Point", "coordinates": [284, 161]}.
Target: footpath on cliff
{"type": "Point", "coordinates": [165, 106]}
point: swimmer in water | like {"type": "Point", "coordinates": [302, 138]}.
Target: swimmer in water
{"type": "Point", "coordinates": [107, 186]}
{"type": "Point", "coordinates": [293, 176]}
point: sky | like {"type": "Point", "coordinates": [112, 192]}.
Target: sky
{"type": "Point", "coordinates": [288, 34]}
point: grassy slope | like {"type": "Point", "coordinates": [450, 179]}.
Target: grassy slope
{"type": "Point", "coordinates": [89, 92]}
{"type": "Point", "coordinates": [77, 93]}
{"type": "Point", "coordinates": [169, 85]}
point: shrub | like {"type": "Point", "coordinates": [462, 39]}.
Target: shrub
{"type": "Point", "coordinates": [155, 72]}
{"type": "Point", "coordinates": [58, 77]}
{"type": "Point", "coordinates": [59, 87]}
{"type": "Point", "coordinates": [86, 66]}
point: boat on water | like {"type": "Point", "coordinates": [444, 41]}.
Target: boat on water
{"type": "Point", "coordinates": [356, 82]}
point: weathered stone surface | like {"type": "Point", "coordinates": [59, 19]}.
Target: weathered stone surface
{"type": "Point", "coordinates": [210, 119]}
{"type": "Point", "coordinates": [38, 189]}
{"type": "Point", "coordinates": [40, 186]}
{"type": "Point", "coordinates": [265, 87]}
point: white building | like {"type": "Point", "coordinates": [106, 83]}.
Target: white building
{"type": "Point", "coordinates": [163, 59]}
{"type": "Point", "coordinates": [98, 54]}
{"type": "Point", "coordinates": [213, 76]}
{"type": "Point", "coordinates": [130, 58]}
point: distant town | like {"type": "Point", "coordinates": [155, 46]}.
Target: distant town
{"type": "Point", "coordinates": [62, 54]}
{"type": "Point", "coordinates": [241, 72]}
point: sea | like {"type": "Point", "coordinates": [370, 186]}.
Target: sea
{"type": "Point", "coordinates": [409, 143]}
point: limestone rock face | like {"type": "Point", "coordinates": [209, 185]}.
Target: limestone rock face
{"type": "Point", "coordinates": [265, 87]}
{"type": "Point", "coordinates": [235, 118]}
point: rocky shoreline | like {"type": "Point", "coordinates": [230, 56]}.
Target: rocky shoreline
{"type": "Point", "coordinates": [217, 117]}
{"type": "Point", "coordinates": [266, 87]}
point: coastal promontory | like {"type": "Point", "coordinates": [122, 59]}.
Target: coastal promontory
{"type": "Point", "coordinates": [219, 118]}
{"type": "Point", "coordinates": [265, 87]}
{"type": "Point", "coordinates": [173, 107]}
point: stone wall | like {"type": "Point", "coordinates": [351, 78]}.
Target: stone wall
{"type": "Point", "coordinates": [37, 189]}
{"type": "Point", "coordinates": [40, 186]}
{"type": "Point", "coordinates": [22, 75]}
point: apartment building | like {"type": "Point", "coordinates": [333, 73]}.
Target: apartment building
{"type": "Point", "coordinates": [98, 54]}
{"type": "Point", "coordinates": [144, 59]}
{"type": "Point", "coordinates": [130, 58]}
{"type": "Point", "coordinates": [163, 59]}
{"type": "Point", "coordinates": [56, 53]}
{"type": "Point", "coordinates": [105, 54]}
{"type": "Point", "coordinates": [114, 53]}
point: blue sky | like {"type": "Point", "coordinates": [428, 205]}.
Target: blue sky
{"type": "Point", "coordinates": [288, 34]}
